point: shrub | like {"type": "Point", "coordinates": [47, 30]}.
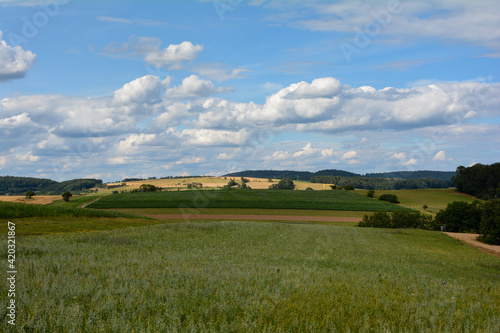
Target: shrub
{"type": "Point", "coordinates": [370, 194]}
{"type": "Point", "coordinates": [400, 219]}
{"type": "Point", "coordinates": [392, 198]}
{"type": "Point", "coordinates": [490, 223]}
{"type": "Point", "coordinates": [349, 188]}
{"type": "Point", "coordinates": [461, 216]}
{"type": "Point", "coordinates": [309, 189]}
{"type": "Point", "coordinates": [284, 184]}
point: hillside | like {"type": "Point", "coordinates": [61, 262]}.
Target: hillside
{"type": "Point", "coordinates": [10, 185]}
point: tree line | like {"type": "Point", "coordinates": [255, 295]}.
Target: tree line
{"type": "Point", "coordinates": [382, 183]}
{"type": "Point", "coordinates": [479, 180]}
{"type": "Point", "coordinates": [21, 185]}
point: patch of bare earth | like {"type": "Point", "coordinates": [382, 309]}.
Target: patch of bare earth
{"type": "Point", "coordinates": [254, 217]}
{"type": "Point", "coordinates": [38, 200]}
{"type": "Point", "coordinates": [471, 239]}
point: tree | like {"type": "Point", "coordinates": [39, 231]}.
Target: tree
{"type": "Point", "coordinates": [461, 216]}
{"type": "Point", "coordinates": [245, 180]}
{"type": "Point", "coordinates": [66, 196]}
{"type": "Point", "coordinates": [370, 193]}
{"type": "Point", "coordinates": [490, 223]}
{"type": "Point", "coordinates": [349, 188]}
{"type": "Point", "coordinates": [392, 198]}
{"type": "Point", "coordinates": [148, 188]}
{"type": "Point", "coordinates": [232, 183]}
{"type": "Point", "coordinates": [29, 194]}
{"type": "Point", "coordinates": [284, 184]}
{"type": "Point", "coordinates": [333, 187]}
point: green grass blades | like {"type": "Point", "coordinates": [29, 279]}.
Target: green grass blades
{"type": "Point", "coordinates": [253, 277]}
{"type": "Point", "coordinates": [266, 199]}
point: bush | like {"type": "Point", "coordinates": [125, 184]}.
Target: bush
{"type": "Point", "coordinates": [309, 189]}
{"type": "Point", "coordinates": [490, 223]}
{"type": "Point", "coordinates": [349, 188]}
{"type": "Point", "coordinates": [399, 219]}
{"type": "Point", "coordinates": [461, 216]}
{"type": "Point", "coordinates": [392, 198]}
{"type": "Point", "coordinates": [370, 193]}
{"type": "Point", "coordinates": [284, 184]}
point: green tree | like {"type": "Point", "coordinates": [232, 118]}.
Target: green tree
{"type": "Point", "coordinates": [29, 194]}
{"type": "Point", "coordinates": [461, 216]}
{"type": "Point", "coordinates": [66, 196]}
{"type": "Point", "coordinates": [284, 184]}
{"type": "Point", "coordinates": [148, 188]}
{"type": "Point", "coordinates": [370, 194]}
{"type": "Point", "coordinates": [232, 183]}
{"type": "Point", "coordinates": [349, 188]}
{"type": "Point", "coordinates": [244, 180]}
{"type": "Point", "coordinates": [392, 198]}
{"type": "Point", "coordinates": [490, 223]}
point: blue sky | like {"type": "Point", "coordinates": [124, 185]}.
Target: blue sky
{"type": "Point", "coordinates": [114, 89]}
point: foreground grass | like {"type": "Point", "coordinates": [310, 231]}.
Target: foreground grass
{"type": "Point", "coordinates": [254, 277]}
{"type": "Point", "coordinates": [435, 199]}
{"type": "Point", "coordinates": [268, 199]}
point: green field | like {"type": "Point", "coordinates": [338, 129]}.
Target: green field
{"type": "Point", "coordinates": [435, 199]}
{"type": "Point", "coordinates": [264, 199]}
{"type": "Point", "coordinates": [253, 277]}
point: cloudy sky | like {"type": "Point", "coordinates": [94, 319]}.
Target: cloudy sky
{"type": "Point", "coordinates": [114, 89]}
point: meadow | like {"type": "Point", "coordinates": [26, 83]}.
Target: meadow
{"type": "Point", "coordinates": [262, 199]}
{"type": "Point", "coordinates": [253, 277]}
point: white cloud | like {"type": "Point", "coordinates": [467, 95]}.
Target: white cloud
{"type": "Point", "coordinates": [399, 156]}
{"type": "Point", "coordinates": [192, 86]}
{"type": "Point", "coordinates": [174, 56]}
{"type": "Point", "coordinates": [441, 157]}
{"type": "Point", "coordinates": [145, 90]}
{"type": "Point", "coordinates": [350, 155]}
{"type": "Point", "coordinates": [412, 161]}
{"type": "Point", "coordinates": [218, 71]}
{"type": "Point", "coordinates": [14, 61]}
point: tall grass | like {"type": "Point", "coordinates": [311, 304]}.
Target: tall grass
{"type": "Point", "coordinates": [249, 277]}
{"type": "Point", "coordinates": [9, 210]}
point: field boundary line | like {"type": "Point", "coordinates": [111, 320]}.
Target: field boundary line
{"type": "Point", "coordinates": [254, 217]}
{"type": "Point", "coordinates": [88, 203]}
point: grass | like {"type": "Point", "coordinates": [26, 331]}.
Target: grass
{"type": "Point", "coordinates": [243, 211]}
{"type": "Point", "coordinates": [10, 210]}
{"type": "Point", "coordinates": [249, 277]}
{"type": "Point", "coordinates": [75, 202]}
{"type": "Point", "coordinates": [435, 199]}
{"type": "Point", "coordinates": [263, 199]}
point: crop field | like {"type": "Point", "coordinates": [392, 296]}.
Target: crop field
{"type": "Point", "coordinates": [264, 199]}
{"type": "Point", "coordinates": [435, 199]}
{"type": "Point", "coordinates": [254, 277]}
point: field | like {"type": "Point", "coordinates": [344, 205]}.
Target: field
{"type": "Point", "coordinates": [38, 199]}
{"type": "Point", "coordinates": [435, 199]}
{"type": "Point", "coordinates": [254, 277]}
{"type": "Point", "coordinates": [262, 199]}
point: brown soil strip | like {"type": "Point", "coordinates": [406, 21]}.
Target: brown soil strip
{"type": "Point", "coordinates": [254, 217]}
{"type": "Point", "coordinates": [471, 240]}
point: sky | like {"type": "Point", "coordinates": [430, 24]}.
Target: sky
{"type": "Point", "coordinates": [117, 89]}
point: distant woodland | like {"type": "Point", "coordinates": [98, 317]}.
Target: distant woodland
{"type": "Point", "coordinates": [10, 185]}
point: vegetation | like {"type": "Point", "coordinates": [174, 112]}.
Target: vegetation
{"type": "Point", "coordinates": [148, 188]}
{"type": "Point", "coordinates": [481, 181]}
{"type": "Point", "coordinates": [475, 217]}
{"type": "Point", "coordinates": [370, 193]}
{"type": "Point", "coordinates": [10, 210]}
{"type": "Point", "coordinates": [392, 198]}
{"type": "Point", "coordinates": [401, 219]}
{"type": "Point", "coordinates": [337, 200]}
{"type": "Point", "coordinates": [66, 196]}
{"type": "Point", "coordinates": [284, 184]}
{"type": "Point", "coordinates": [382, 183]}
{"type": "Point", "coordinates": [248, 277]}
{"type": "Point", "coordinates": [20, 185]}
{"type": "Point", "coordinates": [29, 194]}
{"type": "Point", "coordinates": [441, 175]}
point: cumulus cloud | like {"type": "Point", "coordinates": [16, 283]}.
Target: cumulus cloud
{"type": "Point", "coordinates": [145, 90]}
{"type": "Point", "coordinates": [14, 61]}
{"type": "Point", "coordinates": [441, 157]}
{"type": "Point", "coordinates": [173, 57]}
{"type": "Point", "coordinates": [192, 86]}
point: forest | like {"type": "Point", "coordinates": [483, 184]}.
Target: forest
{"type": "Point", "coordinates": [10, 185]}
{"type": "Point", "coordinates": [479, 180]}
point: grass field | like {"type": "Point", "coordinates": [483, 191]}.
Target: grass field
{"type": "Point", "coordinates": [263, 199]}
{"type": "Point", "coordinates": [435, 199]}
{"type": "Point", "coordinates": [253, 277]}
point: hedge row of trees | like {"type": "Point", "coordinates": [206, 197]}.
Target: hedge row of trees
{"type": "Point", "coordinates": [459, 216]}
{"type": "Point", "coordinates": [382, 183]}
{"type": "Point", "coordinates": [479, 180]}
{"type": "Point", "coordinates": [20, 185]}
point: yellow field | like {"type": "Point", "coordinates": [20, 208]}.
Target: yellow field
{"type": "Point", "coordinates": [39, 200]}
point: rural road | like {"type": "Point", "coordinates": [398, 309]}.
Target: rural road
{"type": "Point", "coordinates": [471, 240]}
{"type": "Point", "coordinates": [254, 217]}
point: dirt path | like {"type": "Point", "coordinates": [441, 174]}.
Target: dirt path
{"type": "Point", "coordinates": [254, 217]}
{"type": "Point", "coordinates": [471, 240]}
{"type": "Point", "coordinates": [88, 203]}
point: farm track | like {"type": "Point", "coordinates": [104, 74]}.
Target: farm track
{"type": "Point", "coordinates": [88, 203]}
{"type": "Point", "coordinates": [470, 239]}
{"type": "Point", "coordinates": [254, 217]}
